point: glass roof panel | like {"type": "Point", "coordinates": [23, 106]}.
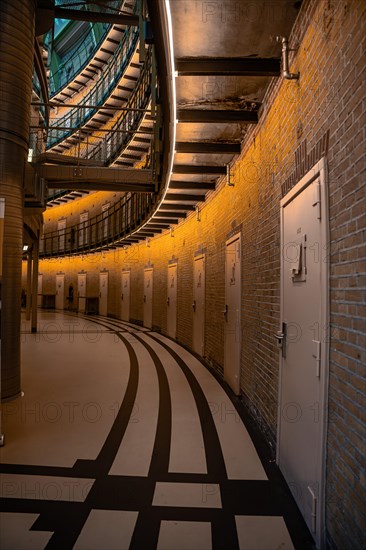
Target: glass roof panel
{"type": "Point", "coordinates": [60, 24]}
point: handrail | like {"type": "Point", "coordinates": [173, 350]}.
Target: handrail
{"type": "Point", "coordinates": [76, 118]}
{"type": "Point", "coordinates": [102, 230]}
{"type": "Point", "coordinates": [107, 147]}
{"type": "Point", "coordinates": [82, 55]}
{"type": "Point", "coordinates": [110, 147]}
{"type": "Point", "coordinates": [71, 66]}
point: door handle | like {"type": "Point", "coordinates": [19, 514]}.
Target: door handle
{"type": "Point", "coordinates": [194, 305]}
{"type": "Point", "coordinates": [281, 339]}
{"type": "Point", "coordinates": [144, 297]}
{"type": "Point", "coordinates": [168, 301]}
{"type": "Point", "coordinates": [225, 311]}
{"type": "Point", "coordinates": [122, 296]}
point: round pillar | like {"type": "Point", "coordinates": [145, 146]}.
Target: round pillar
{"type": "Point", "coordinates": [17, 24]}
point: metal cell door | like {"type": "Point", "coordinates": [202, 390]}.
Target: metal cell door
{"type": "Point", "coordinates": [303, 354]}
{"type": "Point", "coordinates": [83, 229]}
{"type": "Point", "coordinates": [39, 289]}
{"type": "Point", "coordinates": [199, 305]}
{"type": "Point", "coordinates": [125, 296]}
{"type": "Point", "coordinates": [231, 313]}
{"type": "Point", "coordinates": [81, 292]}
{"type": "Point", "coordinates": [105, 221]}
{"type": "Point", "coordinates": [61, 228]}
{"type": "Point", "coordinates": [103, 293]}
{"type": "Point", "coordinates": [148, 290]}
{"type": "Point", "coordinates": [172, 301]}
{"type": "Point", "coordinates": [60, 291]}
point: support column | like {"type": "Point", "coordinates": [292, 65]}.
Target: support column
{"type": "Point", "coordinates": [35, 283]}
{"type": "Point", "coordinates": [17, 21]}
{"type": "Point", "coordinates": [29, 285]}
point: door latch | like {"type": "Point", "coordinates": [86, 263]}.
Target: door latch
{"type": "Point", "coordinates": [225, 311]}
{"type": "Point", "coordinates": [168, 301]}
{"type": "Point", "coordinates": [144, 297]}
{"type": "Point", "coordinates": [281, 339]}
{"type": "Point", "coordinates": [194, 305]}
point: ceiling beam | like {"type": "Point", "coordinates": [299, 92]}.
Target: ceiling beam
{"type": "Point", "coordinates": [102, 186]}
{"type": "Point", "coordinates": [198, 169]}
{"type": "Point", "coordinates": [207, 147]}
{"type": "Point", "coordinates": [164, 220]}
{"type": "Point", "coordinates": [217, 115]}
{"type": "Point", "coordinates": [170, 215]}
{"type": "Point", "coordinates": [176, 207]}
{"type": "Point", "coordinates": [182, 197]}
{"type": "Point", "coordinates": [160, 225]}
{"type": "Point", "coordinates": [223, 66]}
{"type": "Point", "coordinates": [194, 185]}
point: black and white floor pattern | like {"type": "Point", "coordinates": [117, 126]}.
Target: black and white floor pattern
{"type": "Point", "coordinates": [123, 439]}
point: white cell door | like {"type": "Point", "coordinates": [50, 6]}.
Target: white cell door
{"type": "Point", "coordinates": [83, 228]}
{"type": "Point", "coordinates": [61, 228]}
{"type": "Point", "coordinates": [60, 291]}
{"type": "Point", "coordinates": [231, 313]}
{"type": "Point", "coordinates": [103, 293]}
{"type": "Point", "coordinates": [125, 295]}
{"type": "Point", "coordinates": [105, 221]}
{"type": "Point", "coordinates": [39, 289]}
{"type": "Point", "coordinates": [172, 301]}
{"type": "Point", "coordinates": [303, 355]}
{"type": "Point", "coordinates": [199, 305]}
{"type": "Point", "coordinates": [81, 292]}
{"type": "Point", "coordinates": [148, 293]}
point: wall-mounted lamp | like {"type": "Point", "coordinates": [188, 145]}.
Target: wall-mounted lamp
{"type": "Point", "coordinates": [198, 213]}
{"type": "Point", "coordinates": [228, 176]}
{"type": "Point", "coordinates": [25, 248]}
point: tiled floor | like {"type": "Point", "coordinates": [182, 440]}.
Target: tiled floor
{"type": "Point", "coordinates": [123, 439]}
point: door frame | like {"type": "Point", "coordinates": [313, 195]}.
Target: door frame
{"type": "Point", "coordinates": [172, 263]}
{"type": "Point", "coordinates": [61, 274]}
{"type": "Point", "coordinates": [146, 269]}
{"type": "Point", "coordinates": [104, 272]}
{"type": "Point", "coordinates": [319, 170]}
{"type": "Point", "coordinates": [123, 272]}
{"type": "Point", "coordinates": [236, 236]}
{"type": "Point", "coordinates": [200, 256]}
{"type": "Point", "coordinates": [83, 274]}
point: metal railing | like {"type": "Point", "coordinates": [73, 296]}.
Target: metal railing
{"type": "Point", "coordinates": [75, 62]}
{"type": "Point", "coordinates": [77, 117]}
{"type": "Point", "coordinates": [121, 133]}
{"type": "Point", "coordinates": [101, 231]}
{"type": "Point", "coordinates": [108, 145]}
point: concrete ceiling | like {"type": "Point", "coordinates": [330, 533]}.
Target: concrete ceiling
{"type": "Point", "coordinates": [209, 32]}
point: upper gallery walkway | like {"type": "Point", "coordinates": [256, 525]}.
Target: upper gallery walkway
{"type": "Point", "coordinates": [124, 439]}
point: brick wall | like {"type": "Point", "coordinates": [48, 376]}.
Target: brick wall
{"type": "Point", "coordinates": [329, 41]}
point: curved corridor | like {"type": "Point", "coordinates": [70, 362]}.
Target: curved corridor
{"type": "Point", "coordinates": [124, 439]}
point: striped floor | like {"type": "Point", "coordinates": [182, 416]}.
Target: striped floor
{"type": "Point", "coordinates": [123, 439]}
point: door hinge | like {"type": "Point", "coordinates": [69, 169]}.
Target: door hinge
{"type": "Point", "coordinates": [317, 356]}
{"type": "Point", "coordinates": [317, 199]}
